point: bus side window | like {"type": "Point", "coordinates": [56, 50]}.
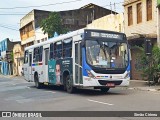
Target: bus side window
{"type": "Point", "coordinates": [40, 54]}
{"type": "Point", "coordinates": [51, 51]}
{"type": "Point", "coordinates": [67, 48]}
{"type": "Point", "coordinates": [26, 57]}
{"type": "Point", "coordinates": [54, 51]}
{"type": "Point", "coordinates": [58, 49]}
{"type": "Point", "coordinates": [36, 54]}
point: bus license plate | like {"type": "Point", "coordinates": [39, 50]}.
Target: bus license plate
{"type": "Point", "coordinates": [110, 85]}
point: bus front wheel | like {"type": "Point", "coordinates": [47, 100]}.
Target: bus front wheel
{"type": "Point", "coordinates": [69, 85]}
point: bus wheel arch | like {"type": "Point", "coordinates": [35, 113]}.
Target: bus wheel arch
{"type": "Point", "coordinates": [68, 82]}
{"type": "Point", "coordinates": [36, 80]}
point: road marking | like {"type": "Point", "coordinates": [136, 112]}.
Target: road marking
{"type": "Point", "coordinates": [99, 102]}
{"type": "Point", "coordinates": [28, 87]}
{"type": "Point", "coordinates": [50, 91]}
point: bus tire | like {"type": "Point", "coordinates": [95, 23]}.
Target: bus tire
{"type": "Point", "coordinates": [105, 90]}
{"type": "Point", "coordinates": [69, 85]}
{"type": "Point", "coordinates": [36, 80]}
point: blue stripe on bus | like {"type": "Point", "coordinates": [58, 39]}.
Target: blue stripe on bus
{"type": "Point", "coordinates": [85, 65]}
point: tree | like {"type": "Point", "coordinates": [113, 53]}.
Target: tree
{"type": "Point", "coordinates": [151, 64]}
{"type": "Point", "coordinates": [53, 24]}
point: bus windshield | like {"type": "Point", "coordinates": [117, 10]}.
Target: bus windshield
{"type": "Point", "coordinates": [107, 54]}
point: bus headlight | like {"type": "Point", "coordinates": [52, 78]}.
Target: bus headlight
{"type": "Point", "coordinates": [90, 74]}
{"type": "Point", "coordinates": [127, 75]}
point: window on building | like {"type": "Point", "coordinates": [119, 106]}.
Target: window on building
{"type": "Point", "coordinates": [69, 21]}
{"type": "Point", "coordinates": [149, 10]}
{"type": "Point", "coordinates": [42, 40]}
{"type": "Point", "coordinates": [38, 41]}
{"type": "Point", "coordinates": [30, 27]}
{"type": "Point", "coordinates": [130, 16]}
{"type": "Point", "coordinates": [139, 12]}
{"type": "Point", "coordinates": [67, 48]}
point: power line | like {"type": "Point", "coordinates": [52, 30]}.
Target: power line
{"type": "Point", "coordinates": [72, 1]}
{"type": "Point", "coordinates": [113, 4]}
{"type": "Point", "coordinates": [8, 28]}
{"type": "Point", "coordinates": [42, 5]}
{"type": "Point", "coordinates": [4, 26]}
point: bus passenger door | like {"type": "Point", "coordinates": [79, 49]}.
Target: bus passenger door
{"type": "Point", "coordinates": [45, 64]}
{"type": "Point", "coordinates": [30, 68]}
{"type": "Point", "coordinates": [26, 66]}
{"type": "Point", "coordinates": [78, 63]}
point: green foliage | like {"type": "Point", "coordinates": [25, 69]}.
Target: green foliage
{"type": "Point", "coordinates": [53, 24]}
{"type": "Point", "coordinates": [151, 64]}
{"type": "Point", "coordinates": [12, 56]}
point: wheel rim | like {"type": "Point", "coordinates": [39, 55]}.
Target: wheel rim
{"type": "Point", "coordinates": [36, 81]}
{"type": "Point", "coordinates": [69, 85]}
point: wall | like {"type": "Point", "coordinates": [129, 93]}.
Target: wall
{"type": "Point", "coordinates": [113, 22]}
{"type": "Point", "coordinates": [146, 27]}
{"type": "Point", "coordinates": [18, 59]}
{"type": "Point", "coordinates": [40, 36]}
{"type": "Point", "coordinates": [27, 19]}
{"type": "Point", "coordinates": [158, 22]}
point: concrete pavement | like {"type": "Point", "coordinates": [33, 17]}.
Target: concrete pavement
{"type": "Point", "coordinates": [143, 85]}
{"type": "Point", "coordinates": [134, 84]}
{"type": "Point", "coordinates": [18, 95]}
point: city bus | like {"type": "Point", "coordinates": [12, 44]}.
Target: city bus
{"type": "Point", "coordinates": [86, 58]}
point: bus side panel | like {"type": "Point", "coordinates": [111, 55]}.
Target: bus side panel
{"type": "Point", "coordinates": [87, 81]}
{"type": "Point", "coordinates": [51, 71]}
{"type": "Point", "coordinates": [57, 68]}
{"type": "Point", "coordinates": [66, 67]}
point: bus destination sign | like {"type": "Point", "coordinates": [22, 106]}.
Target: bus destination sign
{"type": "Point", "coordinates": [106, 35]}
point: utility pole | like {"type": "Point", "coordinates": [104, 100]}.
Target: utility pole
{"type": "Point", "coordinates": [115, 8]}
{"type": "Point", "coordinates": [111, 7]}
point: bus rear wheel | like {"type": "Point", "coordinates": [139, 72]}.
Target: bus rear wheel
{"type": "Point", "coordinates": [69, 85]}
{"type": "Point", "coordinates": [105, 90]}
{"type": "Point", "coordinates": [36, 80]}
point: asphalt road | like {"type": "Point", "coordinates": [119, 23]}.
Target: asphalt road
{"type": "Point", "coordinates": [18, 95]}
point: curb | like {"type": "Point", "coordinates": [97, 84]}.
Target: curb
{"type": "Point", "coordinates": [145, 89]}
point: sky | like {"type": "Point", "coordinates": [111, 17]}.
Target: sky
{"type": "Point", "coordinates": [11, 11]}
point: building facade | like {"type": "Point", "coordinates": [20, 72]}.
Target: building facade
{"type": "Point", "coordinates": [140, 20]}
{"type": "Point", "coordinates": [158, 22]}
{"type": "Point", "coordinates": [30, 30]}
{"type": "Point", "coordinates": [29, 27]}
{"type": "Point", "coordinates": [17, 59]}
{"type": "Point", "coordinates": [6, 56]}
{"type": "Point", "coordinates": [112, 22]}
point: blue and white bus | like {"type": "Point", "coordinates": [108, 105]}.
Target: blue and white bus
{"type": "Point", "coordinates": [84, 58]}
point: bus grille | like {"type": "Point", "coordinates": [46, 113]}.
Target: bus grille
{"type": "Point", "coordinates": [104, 82]}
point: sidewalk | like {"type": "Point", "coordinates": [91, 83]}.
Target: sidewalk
{"type": "Point", "coordinates": [14, 77]}
{"type": "Point", "coordinates": [143, 85]}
